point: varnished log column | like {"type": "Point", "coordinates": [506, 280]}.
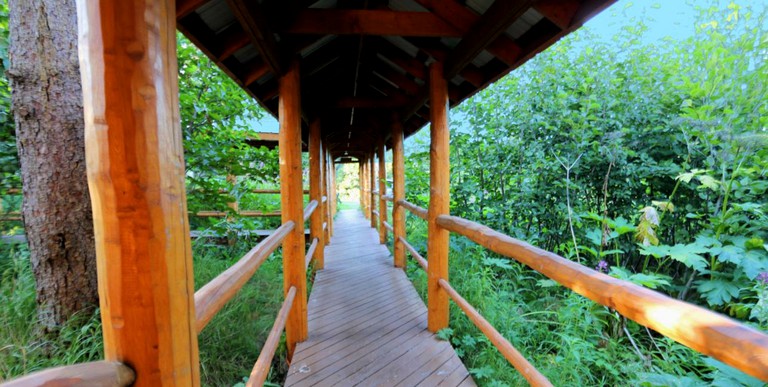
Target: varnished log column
{"type": "Point", "coordinates": [294, 271]}
{"type": "Point", "coordinates": [372, 187]}
{"type": "Point", "coordinates": [382, 191]}
{"type": "Point", "coordinates": [326, 206]}
{"type": "Point", "coordinates": [398, 191]}
{"type": "Point", "coordinates": [135, 164]}
{"type": "Point", "coordinates": [315, 191]}
{"type": "Point", "coordinates": [333, 191]}
{"type": "Point", "coordinates": [439, 199]}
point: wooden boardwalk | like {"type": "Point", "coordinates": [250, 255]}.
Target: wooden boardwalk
{"type": "Point", "coordinates": [367, 324]}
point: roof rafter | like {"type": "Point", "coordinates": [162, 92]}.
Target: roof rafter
{"type": "Point", "coordinates": [491, 25]}
{"type": "Point", "coordinates": [249, 14]}
{"type": "Point", "coordinates": [370, 22]}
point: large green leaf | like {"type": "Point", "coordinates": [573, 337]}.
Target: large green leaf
{"type": "Point", "coordinates": [718, 291]}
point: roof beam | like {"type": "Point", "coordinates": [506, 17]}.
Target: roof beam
{"type": "Point", "coordinates": [464, 19]}
{"type": "Point", "coordinates": [559, 12]}
{"type": "Point", "coordinates": [369, 102]}
{"type": "Point", "coordinates": [249, 14]}
{"type": "Point", "coordinates": [370, 22]}
{"type": "Point", "coordinates": [185, 7]}
{"type": "Point", "coordinates": [490, 26]}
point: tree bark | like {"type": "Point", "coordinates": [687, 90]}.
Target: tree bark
{"type": "Point", "coordinates": [48, 113]}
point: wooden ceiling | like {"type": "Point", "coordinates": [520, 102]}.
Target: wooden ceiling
{"type": "Point", "coordinates": [364, 62]}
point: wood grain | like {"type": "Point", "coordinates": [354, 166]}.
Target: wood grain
{"type": "Point", "coordinates": [136, 176]}
{"type": "Point", "coordinates": [513, 356]}
{"type": "Point", "coordinates": [414, 209]}
{"type": "Point", "coordinates": [398, 191]}
{"type": "Point", "coordinates": [439, 198]}
{"type": "Point", "coordinates": [705, 331]}
{"type": "Point", "coordinates": [316, 194]}
{"type": "Point", "coordinates": [210, 298]}
{"type": "Point", "coordinates": [97, 373]}
{"type": "Point", "coordinates": [382, 190]}
{"type": "Point", "coordinates": [294, 271]}
{"type": "Point", "coordinates": [263, 363]}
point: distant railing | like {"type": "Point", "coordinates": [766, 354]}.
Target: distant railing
{"type": "Point", "coordinates": [700, 329]}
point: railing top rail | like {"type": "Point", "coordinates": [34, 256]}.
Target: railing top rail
{"type": "Point", "coordinates": [700, 329]}
{"type": "Point", "coordinates": [215, 294]}
{"type": "Point", "coordinates": [414, 209]}
{"type": "Point", "coordinates": [97, 373]}
{"type": "Point", "coordinates": [309, 209]}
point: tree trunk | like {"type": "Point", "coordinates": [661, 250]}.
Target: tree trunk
{"type": "Point", "coordinates": [48, 113]}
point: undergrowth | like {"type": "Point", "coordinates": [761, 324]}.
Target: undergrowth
{"type": "Point", "coordinates": [570, 339]}
{"type": "Point", "coordinates": [229, 345]}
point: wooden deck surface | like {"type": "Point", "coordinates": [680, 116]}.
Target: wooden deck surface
{"type": "Point", "coordinates": [367, 324]}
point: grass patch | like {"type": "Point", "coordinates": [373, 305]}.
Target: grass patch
{"type": "Point", "coordinates": [229, 345]}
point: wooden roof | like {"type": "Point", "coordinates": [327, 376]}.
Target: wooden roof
{"type": "Point", "coordinates": [362, 61]}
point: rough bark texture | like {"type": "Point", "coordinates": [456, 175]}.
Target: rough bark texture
{"type": "Point", "coordinates": [48, 113]}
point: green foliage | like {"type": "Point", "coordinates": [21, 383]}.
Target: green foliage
{"type": "Point", "coordinates": [670, 192]}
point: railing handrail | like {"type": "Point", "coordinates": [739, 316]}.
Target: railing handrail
{"type": "Point", "coordinates": [422, 262]}
{"type": "Point", "coordinates": [261, 367]}
{"type": "Point", "coordinates": [215, 294]}
{"type": "Point", "coordinates": [309, 209]}
{"type": "Point", "coordinates": [97, 373]}
{"type": "Point", "coordinates": [247, 214]}
{"type": "Point", "coordinates": [521, 364]}
{"type": "Point", "coordinates": [311, 251]}
{"type": "Point", "coordinates": [703, 330]}
{"type": "Point", "coordinates": [414, 209]}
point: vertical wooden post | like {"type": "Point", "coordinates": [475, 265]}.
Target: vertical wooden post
{"type": "Point", "coordinates": [439, 199]}
{"type": "Point", "coordinates": [232, 179]}
{"type": "Point", "coordinates": [372, 187]}
{"type": "Point", "coordinates": [361, 185]}
{"type": "Point", "coordinates": [364, 185]}
{"type": "Point", "coordinates": [382, 191]}
{"type": "Point", "coordinates": [333, 191]}
{"type": "Point", "coordinates": [398, 190]}
{"type": "Point", "coordinates": [315, 193]}
{"type": "Point", "coordinates": [325, 206]}
{"type": "Point", "coordinates": [136, 178]}
{"type": "Point", "coordinates": [294, 272]}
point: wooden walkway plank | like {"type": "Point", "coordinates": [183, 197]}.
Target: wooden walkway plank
{"type": "Point", "coordinates": [367, 324]}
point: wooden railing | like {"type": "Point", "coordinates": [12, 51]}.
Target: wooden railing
{"type": "Point", "coordinates": [97, 373]}
{"type": "Point", "coordinates": [705, 331]}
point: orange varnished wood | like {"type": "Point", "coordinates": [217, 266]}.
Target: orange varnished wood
{"type": "Point", "coordinates": [97, 373]}
{"type": "Point", "coordinates": [315, 188]}
{"type": "Point", "coordinates": [370, 22]}
{"type": "Point", "coordinates": [414, 209]}
{"type": "Point", "coordinates": [367, 324]}
{"type": "Point", "coordinates": [513, 356]}
{"type": "Point", "coordinates": [398, 191]}
{"type": "Point", "coordinates": [263, 363]}
{"type": "Point", "coordinates": [294, 270]}
{"type": "Point", "coordinates": [372, 188]}
{"type": "Point", "coordinates": [705, 331]}
{"type": "Point", "coordinates": [382, 188]}
{"type": "Point", "coordinates": [439, 198]}
{"type": "Point", "coordinates": [136, 175]}
{"type": "Point", "coordinates": [215, 294]}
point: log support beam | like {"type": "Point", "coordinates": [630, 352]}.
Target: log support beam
{"type": "Point", "coordinates": [315, 190]}
{"type": "Point", "coordinates": [439, 199]}
{"type": "Point", "coordinates": [382, 190]}
{"type": "Point", "coordinates": [398, 191]}
{"type": "Point", "coordinates": [294, 269]}
{"type": "Point", "coordinates": [135, 164]}
{"type": "Point", "coordinates": [372, 188]}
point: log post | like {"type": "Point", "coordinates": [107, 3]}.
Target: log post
{"type": "Point", "coordinates": [398, 190]}
{"type": "Point", "coordinates": [439, 199]}
{"type": "Point", "coordinates": [135, 164]}
{"type": "Point", "coordinates": [315, 191]}
{"type": "Point", "coordinates": [324, 189]}
{"type": "Point", "coordinates": [382, 191]}
{"type": "Point", "coordinates": [331, 196]}
{"type": "Point", "coordinates": [333, 191]}
{"type": "Point", "coordinates": [292, 199]}
{"type": "Point", "coordinates": [372, 187]}
{"type": "Point", "coordinates": [364, 185]}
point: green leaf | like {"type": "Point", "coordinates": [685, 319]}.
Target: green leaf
{"type": "Point", "coordinates": [718, 291]}
{"type": "Point", "coordinates": [754, 262]}
{"type": "Point", "coordinates": [726, 376]}
{"type": "Point", "coordinates": [689, 255]}
{"type": "Point", "coordinates": [656, 251]}
{"type": "Point", "coordinates": [729, 253]}
{"type": "Point", "coordinates": [709, 182]}
{"type": "Point", "coordinates": [444, 334]}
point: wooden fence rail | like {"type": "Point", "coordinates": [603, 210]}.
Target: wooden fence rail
{"type": "Point", "coordinates": [513, 356]}
{"type": "Point", "coordinates": [414, 209]}
{"type": "Point", "coordinates": [705, 331]}
{"type": "Point", "coordinates": [247, 214]}
{"type": "Point", "coordinates": [97, 373]}
{"type": "Point", "coordinates": [261, 368]}
{"type": "Point", "coordinates": [215, 294]}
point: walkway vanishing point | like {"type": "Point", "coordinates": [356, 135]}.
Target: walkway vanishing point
{"type": "Point", "coordinates": [367, 324]}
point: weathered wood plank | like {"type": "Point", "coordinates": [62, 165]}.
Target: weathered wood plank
{"type": "Point", "coordinates": [366, 322]}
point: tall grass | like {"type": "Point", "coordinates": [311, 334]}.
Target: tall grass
{"type": "Point", "coordinates": [229, 345]}
{"type": "Point", "coordinates": [570, 339]}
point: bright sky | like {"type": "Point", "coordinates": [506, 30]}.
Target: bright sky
{"type": "Point", "coordinates": [668, 18]}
